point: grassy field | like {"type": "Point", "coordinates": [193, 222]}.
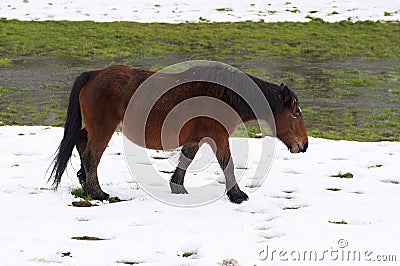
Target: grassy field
{"type": "Point", "coordinates": [346, 74]}
{"type": "Point", "coordinates": [241, 41]}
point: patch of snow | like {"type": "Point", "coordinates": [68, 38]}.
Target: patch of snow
{"type": "Point", "coordinates": [180, 11]}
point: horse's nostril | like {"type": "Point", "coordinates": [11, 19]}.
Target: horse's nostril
{"type": "Point", "coordinates": [305, 146]}
{"type": "Point", "coordinates": [298, 147]}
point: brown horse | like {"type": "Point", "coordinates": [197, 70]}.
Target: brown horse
{"type": "Point", "coordinates": [102, 97]}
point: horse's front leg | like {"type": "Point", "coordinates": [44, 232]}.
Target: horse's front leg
{"type": "Point", "coordinates": [224, 157]}
{"type": "Point", "coordinates": [188, 152]}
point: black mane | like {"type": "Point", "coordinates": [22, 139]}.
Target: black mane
{"type": "Point", "coordinates": [233, 78]}
{"type": "Point", "coordinates": [272, 93]}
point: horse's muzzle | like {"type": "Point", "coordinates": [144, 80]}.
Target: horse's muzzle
{"type": "Point", "coordinates": [298, 147]}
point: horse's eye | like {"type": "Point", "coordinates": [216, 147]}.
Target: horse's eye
{"type": "Point", "coordinates": [297, 113]}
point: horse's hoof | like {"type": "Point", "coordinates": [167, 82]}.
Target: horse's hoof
{"type": "Point", "coordinates": [237, 196]}
{"type": "Point", "coordinates": [100, 196]}
{"type": "Point", "coordinates": [177, 189]}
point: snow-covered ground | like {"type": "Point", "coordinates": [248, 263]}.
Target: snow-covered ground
{"type": "Point", "coordinates": [194, 11]}
{"type": "Point", "coordinates": [294, 210]}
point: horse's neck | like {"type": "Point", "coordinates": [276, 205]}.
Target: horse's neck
{"type": "Point", "coordinates": [261, 111]}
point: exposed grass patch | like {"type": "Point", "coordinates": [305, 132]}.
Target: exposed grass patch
{"type": "Point", "coordinates": [85, 202]}
{"type": "Point", "coordinates": [224, 9]}
{"type": "Point", "coordinates": [88, 238]}
{"type": "Point", "coordinates": [294, 10]}
{"type": "Point", "coordinates": [188, 254]}
{"type": "Point", "coordinates": [337, 222]}
{"type": "Point", "coordinates": [375, 166]}
{"type": "Point", "coordinates": [201, 19]}
{"type": "Point", "coordinates": [314, 19]}
{"type": "Point", "coordinates": [80, 193]}
{"type": "Point", "coordinates": [5, 91]}
{"type": "Point", "coordinates": [291, 208]}
{"type": "Point", "coordinates": [334, 189]}
{"type": "Point", "coordinates": [345, 175]}
{"type": "Point", "coordinates": [128, 262]}
{"type": "Point", "coordinates": [51, 86]}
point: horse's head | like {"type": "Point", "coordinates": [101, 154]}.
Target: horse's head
{"type": "Point", "coordinates": [289, 122]}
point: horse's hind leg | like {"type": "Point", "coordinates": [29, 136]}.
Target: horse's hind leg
{"type": "Point", "coordinates": [188, 152]}
{"type": "Point", "coordinates": [224, 158]}
{"type": "Point", "coordinates": [81, 146]}
{"type": "Point", "coordinates": [98, 139]}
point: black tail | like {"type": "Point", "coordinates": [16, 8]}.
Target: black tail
{"type": "Point", "coordinates": [73, 125]}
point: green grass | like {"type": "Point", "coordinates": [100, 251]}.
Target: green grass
{"type": "Point", "coordinates": [80, 193]}
{"type": "Point", "coordinates": [224, 9]}
{"type": "Point", "coordinates": [246, 130]}
{"type": "Point", "coordinates": [188, 254]}
{"type": "Point", "coordinates": [315, 39]}
{"type": "Point", "coordinates": [5, 62]}
{"type": "Point", "coordinates": [360, 125]}
{"type": "Point", "coordinates": [33, 107]}
{"type": "Point", "coordinates": [87, 238]}
{"type": "Point", "coordinates": [337, 222]}
{"type": "Point", "coordinates": [128, 262]}
{"type": "Point", "coordinates": [5, 91]}
{"type": "Point", "coordinates": [51, 86]}
{"type": "Point", "coordinates": [345, 175]}
{"type": "Point", "coordinates": [354, 78]}
{"type": "Point", "coordinates": [375, 166]}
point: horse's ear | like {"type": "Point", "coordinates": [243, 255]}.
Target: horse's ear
{"type": "Point", "coordinates": [286, 93]}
